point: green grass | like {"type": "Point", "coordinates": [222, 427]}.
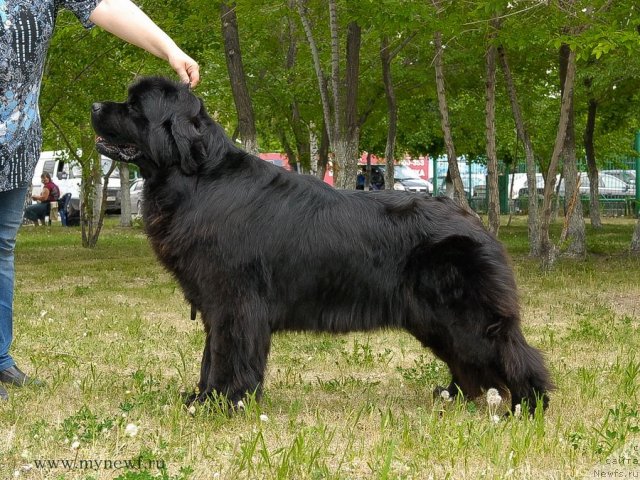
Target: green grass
{"type": "Point", "coordinates": [109, 331]}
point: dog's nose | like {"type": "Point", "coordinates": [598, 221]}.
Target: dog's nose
{"type": "Point", "coordinates": [96, 107]}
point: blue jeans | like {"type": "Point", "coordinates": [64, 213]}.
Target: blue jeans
{"type": "Point", "coordinates": [11, 210]}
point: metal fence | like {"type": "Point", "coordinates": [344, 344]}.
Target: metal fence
{"type": "Point", "coordinates": [611, 204]}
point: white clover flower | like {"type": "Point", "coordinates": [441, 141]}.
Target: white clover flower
{"type": "Point", "coordinates": [75, 445]}
{"type": "Point", "coordinates": [264, 418]}
{"type": "Point", "coordinates": [131, 430]}
{"type": "Point", "coordinates": [493, 397]}
{"type": "Point", "coordinates": [192, 410]}
{"type": "Point", "coordinates": [495, 419]}
{"type": "Point", "coordinates": [444, 394]}
{"type": "Point", "coordinates": [240, 404]}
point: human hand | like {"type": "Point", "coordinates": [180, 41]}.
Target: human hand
{"type": "Point", "coordinates": [186, 67]}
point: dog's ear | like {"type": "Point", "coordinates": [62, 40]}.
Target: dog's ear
{"type": "Point", "coordinates": [185, 130]}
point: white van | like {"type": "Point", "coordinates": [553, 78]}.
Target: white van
{"type": "Point", "coordinates": [68, 177]}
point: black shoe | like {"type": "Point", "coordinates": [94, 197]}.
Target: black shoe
{"type": "Point", "coordinates": [4, 395]}
{"type": "Point", "coordinates": [13, 376]}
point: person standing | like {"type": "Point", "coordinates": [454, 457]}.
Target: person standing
{"type": "Point", "coordinates": [26, 27]}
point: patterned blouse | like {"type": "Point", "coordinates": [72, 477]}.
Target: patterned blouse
{"type": "Point", "coordinates": [26, 27]}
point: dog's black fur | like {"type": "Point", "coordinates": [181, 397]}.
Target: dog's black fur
{"type": "Point", "coordinates": [258, 249]}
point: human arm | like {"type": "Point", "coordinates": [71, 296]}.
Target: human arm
{"type": "Point", "coordinates": [44, 194]}
{"type": "Point", "coordinates": [125, 20]}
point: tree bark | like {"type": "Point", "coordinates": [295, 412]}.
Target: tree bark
{"type": "Point", "coordinates": [314, 153]}
{"type": "Point", "coordinates": [523, 134]}
{"type": "Point", "coordinates": [547, 249]}
{"type": "Point", "coordinates": [592, 168]}
{"type": "Point", "coordinates": [392, 113]}
{"type": "Point", "coordinates": [235, 67]}
{"type": "Point", "coordinates": [352, 126]}
{"type": "Point", "coordinates": [125, 195]}
{"type": "Point", "coordinates": [454, 171]}
{"type": "Point", "coordinates": [323, 152]}
{"type": "Point", "coordinates": [573, 210]}
{"type": "Point", "coordinates": [490, 131]}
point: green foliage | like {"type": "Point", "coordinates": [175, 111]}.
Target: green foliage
{"type": "Point", "coordinates": [87, 66]}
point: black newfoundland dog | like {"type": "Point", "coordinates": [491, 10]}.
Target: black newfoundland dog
{"type": "Point", "coordinates": [257, 249]}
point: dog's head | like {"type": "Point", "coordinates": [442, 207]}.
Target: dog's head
{"type": "Point", "coordinates": [160, 126]}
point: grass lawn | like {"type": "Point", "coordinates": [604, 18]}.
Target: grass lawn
{"type": "Point", "coordinates": [110, 333]}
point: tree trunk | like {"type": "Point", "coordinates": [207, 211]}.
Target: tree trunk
{"type": "Point", "coordinates": [94, 204]}
{"type": "Point", "coordinates": [313, 150]}
{"type": "Point", "coordinates": [352, 126]}
{"type": "Point", "coordinates": [342, 127]}
{"type": "Point", "coordinates": [125, 195]}
{"type": "Point", "coordinates": [574, 217]}
{"type": "Point", "coordinates": [454, 171]}
{"type": "Point", "coordinates": [241, 97]}
{"type": "Point", "coordinates": [592, 168]}
{"type": "Point", "coordinates": [490, 130]}
{"type": "Point", "coordinates": [392, 113]}
{"type": "Point", "coordinates": [323, 153]}
{"type": "Point", "coordinates": [289, 152]}
{"type": "Point", "coordinates": [523, 134]}
{"type": "Point", "coordinates": [300, 132]}
{"type": "Point", "coordinates": [547, 250]}
{"type": "Point", "coordinates": [322, 83]}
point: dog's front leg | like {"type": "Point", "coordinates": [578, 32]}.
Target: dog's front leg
{"type": "Point", "coordinates": [235, 354]}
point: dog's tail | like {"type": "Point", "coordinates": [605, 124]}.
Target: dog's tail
{"type": "Point", "coordinates": [526, 374]}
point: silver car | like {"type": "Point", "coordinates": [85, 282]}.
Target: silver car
{"type": "Point", "coordinates": [135, 192]}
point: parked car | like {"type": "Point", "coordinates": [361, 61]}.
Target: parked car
{"type": "Point", "coordinates": [477, 180]}
{"type": "Point", "coordinates": [405, 179]}
{"type": "Point", "coordinates": [608, 186]}
{"type": "Point", "coordinates": [627, 176]}
{"type": "Point", "coordinates": [135, 194]}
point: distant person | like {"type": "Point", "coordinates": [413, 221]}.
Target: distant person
{"type": "Point", "coordinates": [50, 193]}
{"type": "Point", "coordinates": [377, 179]}
{"type": "Point", "coordinates": [26, 27]}
{"type": "Point", "coordinates": [360, 180]}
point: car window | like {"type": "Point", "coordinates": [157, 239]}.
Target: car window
{"type": "Point", "coordinates": [402, 171]}
{"type": "Point", "coordinates": [609, 181]}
